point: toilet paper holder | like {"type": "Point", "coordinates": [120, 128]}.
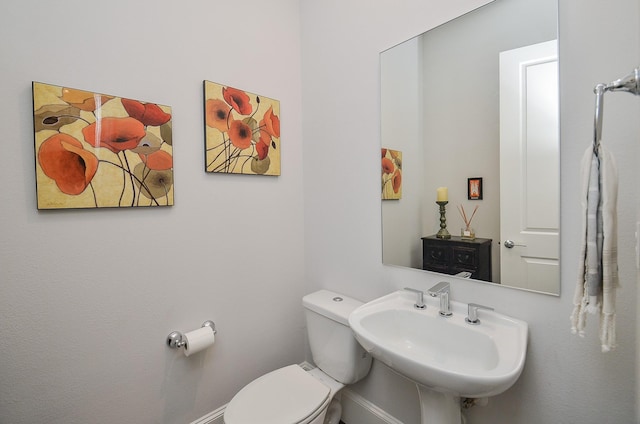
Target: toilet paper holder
{"type": "Point", "coordinates": [176, 340]}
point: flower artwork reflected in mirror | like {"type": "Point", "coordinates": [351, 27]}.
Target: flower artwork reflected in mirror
{"type": "Point", "coordinates": [391, 174]}
{"type": "Point", "coordinates": [94, 150]}
{"type": "Point", "coordinates": [242, 131]}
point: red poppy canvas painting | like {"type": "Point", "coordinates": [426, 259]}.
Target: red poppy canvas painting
{"type": "Point", "coordinates": [391, 174]}
{"type": "Point", "coordinates": [242, 131]}
{"type": "Point", "coordinates": [94, 150]}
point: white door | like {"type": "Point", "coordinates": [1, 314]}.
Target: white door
{"type": "Point", "coordinates": [529, 167]}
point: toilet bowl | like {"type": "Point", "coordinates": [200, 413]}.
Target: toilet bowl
{"type": "Point", "coordinates": [287, 395]}
{"type": "Point", "coordinates": [291, 395]}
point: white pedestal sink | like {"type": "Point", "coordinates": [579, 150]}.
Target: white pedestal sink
{"type": "Point", "coordinates": [447, 358]}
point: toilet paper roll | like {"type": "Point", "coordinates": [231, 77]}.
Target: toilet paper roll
{"type": "Point", "coordinates": [198, 340]}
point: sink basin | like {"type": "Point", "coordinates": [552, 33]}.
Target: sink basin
{"type": "Point", "coordinates": [446, 355]}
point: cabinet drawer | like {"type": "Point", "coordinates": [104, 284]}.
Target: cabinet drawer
{"type": "Point", "coordinates": [465, 257]}
{"type": "Point", "coordinates": [436, 254]}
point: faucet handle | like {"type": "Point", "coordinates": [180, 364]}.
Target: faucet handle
{"type": "Point", "coordinates": [472, 315]}
{"type": "Point", "coordinates": [419, 300]}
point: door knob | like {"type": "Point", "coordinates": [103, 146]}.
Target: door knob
{"type": "Point", "coordinates": [510, 244]}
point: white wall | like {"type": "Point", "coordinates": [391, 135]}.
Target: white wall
{"type": "Point", "coordinates": [87, 298]}
{"type": "Point", "coordinates": [567, 379]}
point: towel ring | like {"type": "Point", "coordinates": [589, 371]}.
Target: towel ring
{"type": "Point", "coordinates": [630, 83]}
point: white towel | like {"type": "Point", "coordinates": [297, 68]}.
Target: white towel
{"type": "Point", "coordinates": [598, 268]}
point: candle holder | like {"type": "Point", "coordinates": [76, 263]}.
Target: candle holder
{"type": "Point", "coordinates": [443, 233]}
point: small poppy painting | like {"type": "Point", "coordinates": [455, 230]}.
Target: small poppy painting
{"type": "Point", "coordinates": [391, 174]}
{"type": "Point", "coordinates": [94, 151]}
{"type": "Point", "coordinates": [242, 131]}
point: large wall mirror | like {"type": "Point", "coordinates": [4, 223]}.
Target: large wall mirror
{"type": "Point", "coordinates": [472, 105]}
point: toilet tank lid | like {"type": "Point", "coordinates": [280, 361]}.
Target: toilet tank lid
{"type": "Point", "coordinates": [333, 305]}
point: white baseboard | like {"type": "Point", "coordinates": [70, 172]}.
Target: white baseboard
{"type": "Point", "coordinates": [213, 417]}
{"type": "Point", "coordinates": [358, 410]}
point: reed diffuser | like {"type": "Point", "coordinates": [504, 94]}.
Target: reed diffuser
{"type": "Point", "coordinates": [467, 233]}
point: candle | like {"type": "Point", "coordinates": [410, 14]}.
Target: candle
{"type": "Point", "coordinates": [443, 194]}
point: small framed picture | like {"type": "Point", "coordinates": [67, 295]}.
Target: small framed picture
{"type": "Point", "coordinates": [474, 188]}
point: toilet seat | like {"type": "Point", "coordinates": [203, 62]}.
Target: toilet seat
{"type": "Point", "coordinates": [288, 395]}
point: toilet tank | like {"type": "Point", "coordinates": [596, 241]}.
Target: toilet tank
{"type": "Point", "coordinates": [333, 347]}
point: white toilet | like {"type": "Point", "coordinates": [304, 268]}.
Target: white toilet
{"type": "Point", "coordinates": [291, 395]}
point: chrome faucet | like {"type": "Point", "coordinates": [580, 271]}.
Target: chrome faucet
{"type": "Point", "coordinates": [419, 300]}
{"type": "Point", "coordinates": [442, 289]}
{"type": "Point", "coordinates": [472, 317]}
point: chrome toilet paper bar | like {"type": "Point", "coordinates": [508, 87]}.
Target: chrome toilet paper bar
{"type": "Point", "coordinates": [176, 339]}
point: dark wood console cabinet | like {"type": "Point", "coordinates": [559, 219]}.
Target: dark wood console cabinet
{"type": "Point", "coordinates": [454, 255]}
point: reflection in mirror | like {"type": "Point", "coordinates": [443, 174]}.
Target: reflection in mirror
{"type": "Point", "coordinates": [473, 105]}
